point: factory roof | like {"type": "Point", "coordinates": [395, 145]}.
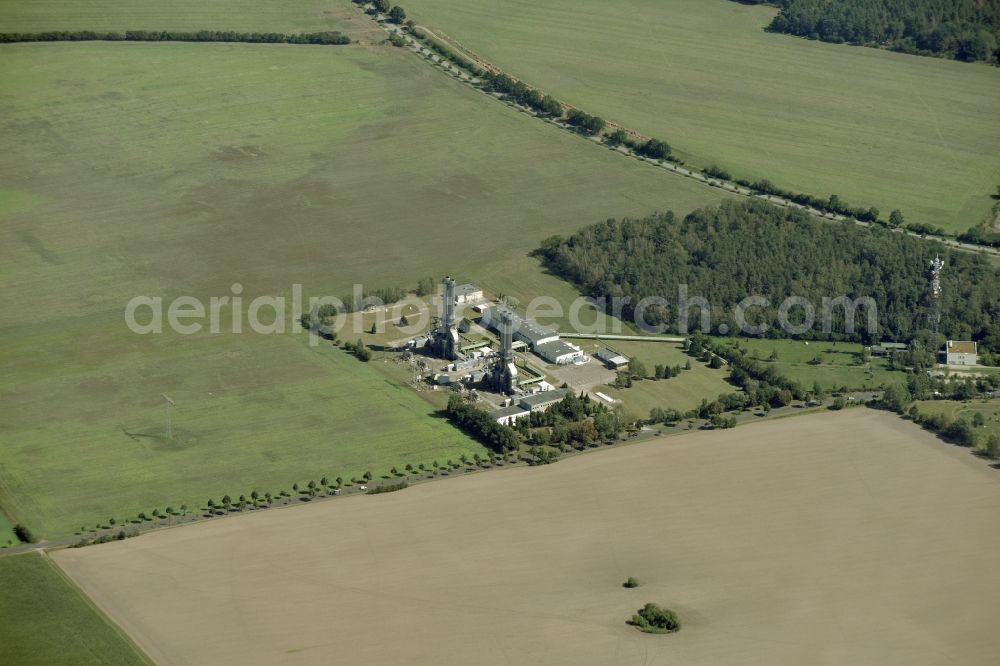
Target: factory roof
{"type": "Point", "coordinates": [513, 410]}
{"type": "Point", "coordinates": [532, 331]}
{"type": "Point", "coordinates": [556, 348]}
{"type": "Point", "coordinates": [467, 289]}
{"type": "Point", "coordinates": [611, 356]}
{"type": "Point", "coordinates": [544, 398]}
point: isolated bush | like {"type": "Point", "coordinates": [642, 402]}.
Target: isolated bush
{"type": "Point", "coordinates": [24, 534]}
{"type": "Point", "coordinates": [631, 582]}
{"type": "Point", "coordinates": [654, 619]}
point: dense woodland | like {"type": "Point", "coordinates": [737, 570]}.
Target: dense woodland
{"type": "Point", "coordinates": [963, 29]}
{"type": "Point", "coordinates": [739, 249]}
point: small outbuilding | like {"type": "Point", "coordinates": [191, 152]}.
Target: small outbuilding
{"type": "Point", "coordinates": [468, 293]}
{"type": "Point", "coordinates": [612, 359]}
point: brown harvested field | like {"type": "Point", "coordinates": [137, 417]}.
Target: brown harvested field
{"type": "Point", "coordinates": [842, 538]}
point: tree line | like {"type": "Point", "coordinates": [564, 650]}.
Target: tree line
{"type": "Point", "coordinates": [328, 37]}
{"type": "Point", "coordinates": [962, 29]}
{"type": "Point", "coordinates": [737, 249]}
{"type": "Point", "coordinates": [481, 426]}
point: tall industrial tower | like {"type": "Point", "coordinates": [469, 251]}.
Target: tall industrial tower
{"type": "Point", "coordinates": [445, 336]}
{"type": "Point", "coordinates": [936, 267]}
{"type": "Point", "coordinates": [503, 373]}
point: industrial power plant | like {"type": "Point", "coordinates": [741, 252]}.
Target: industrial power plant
{"type": "Point", "coordinates": [498, 369]}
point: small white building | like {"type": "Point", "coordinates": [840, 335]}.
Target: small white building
{"type": "Point", "coordinates": [960, 352]}
{"type": "Point", "coordinates": [468, 293]}
{"type": "Point", "coordinates": [612, 359]}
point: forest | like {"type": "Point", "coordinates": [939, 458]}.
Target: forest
{"type": "Point", "coordinates": [739, 249]}
{"type": "Point", "coordinates": [962, 29]}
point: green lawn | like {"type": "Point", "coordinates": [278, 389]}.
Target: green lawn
{"type": "Point", "coordinates": [180, 169]}
{"type": "Point", "coordinates": [193, 15]}
{"type": "Point", "coordinates": [877, 128]}
{"type": "Point", "coordinates": [46, 619]}
{"type": "Point", "coordinates": [839, 366]}
{"type": "Point", "coordinates": [682, 393]}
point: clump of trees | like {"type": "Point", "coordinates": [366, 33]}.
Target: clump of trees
{"type": "Point", "coordinates": [736, 249]}
{"type": "Point", "coordinates": [654, 619]}
{"type": "Point", "coordinates": [960, 29]}
{"type": "Point", "coordinates": [480, 425]}
{"type": "Point", "coordinates": [359, 350]}
{"type": "Point", "coordinates": [585, 122]}
{"type": "Point", "coordinates": [24, 534]}
{"type": "Point", "coordinates": [327, 37]}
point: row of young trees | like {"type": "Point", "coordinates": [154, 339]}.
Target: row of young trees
{"type": "Point", "coordinates": [738, 249]}
{"type": "Point", "coordinates": [963, 29]}
{"type": "Point", "coordinates": [327, 37]}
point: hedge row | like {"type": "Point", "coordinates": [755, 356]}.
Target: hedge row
{"type": "Point", "coordinates": [328, 37]}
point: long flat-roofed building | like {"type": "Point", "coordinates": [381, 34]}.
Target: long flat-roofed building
{"type": "Point", "coordinates": [539, 402]}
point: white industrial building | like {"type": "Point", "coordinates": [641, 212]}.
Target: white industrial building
{"type": "Point", "coordinates": [539, 402]}
{"type": "Point", "coordinates": [509, 415]}
{"type": "Point", "coordinates": [559, 352]}
{"type": "Point", "coordinates": [468, 293]}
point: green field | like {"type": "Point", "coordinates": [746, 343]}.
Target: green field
{"type": "Point", "coordinates": [839, 367]}
{"type": "Point", "coordinates": [7, 536]}
{"type": "Point", "coordinates": [682, 393]}
{"type": "Point", "coordinates": [877, 128]}
{"type": "Point", "coordinates": [180, 169]}
{"type": "Point", "coordinates": [989, 408]}
{"type": "Point", "coordinates": [192, 15]}
{"type": "Point", "coordinates": [46, 619]}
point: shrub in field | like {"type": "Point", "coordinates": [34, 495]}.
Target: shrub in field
{"type": "Point", "coordinates": [630, 582]}
{"type": "Point", "coordinates": [24, 534]}
{"type": "Point", "coordinates": [654, 619]}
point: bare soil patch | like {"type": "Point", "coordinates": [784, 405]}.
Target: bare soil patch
{"type": "Point", "coordinates": [831, 539]}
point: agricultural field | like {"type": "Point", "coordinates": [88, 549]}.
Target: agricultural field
{"type": "Point", "coordinates": [182, 169]}
{"type": "Point", "coordinates": [188, 15]}
{"type": "Point", "coordinates": [875, 127]}
{"type": "Point", "coordinates": [839, 363]}
{"type": "Point", "coordinates": [764, 561]}
{"type": "Point", "coordinates": [682, 393]}
{"type": "Point", "coordinates": [7, 536]}
{"type": "Point", "coordinates": [45, 619]}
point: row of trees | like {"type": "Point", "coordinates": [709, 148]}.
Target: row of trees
{"type": "Point", "coordinates": [328, 37]}
{"type": "Point", "coordinates": [359, 350]}
{"type": "Point", "coordinates": [546, 105]}
{"type": "Point", "coordinates": [739, 249]}
{"type": "Point", "coordinates": [962, 29]}
{"type": "Point", "coordinates": [585, 122]}
{"type": "Point", "coordinates": [652, 148]}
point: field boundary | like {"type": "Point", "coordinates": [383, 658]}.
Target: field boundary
{"type": "Point", "coordinates": [399, 32]}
